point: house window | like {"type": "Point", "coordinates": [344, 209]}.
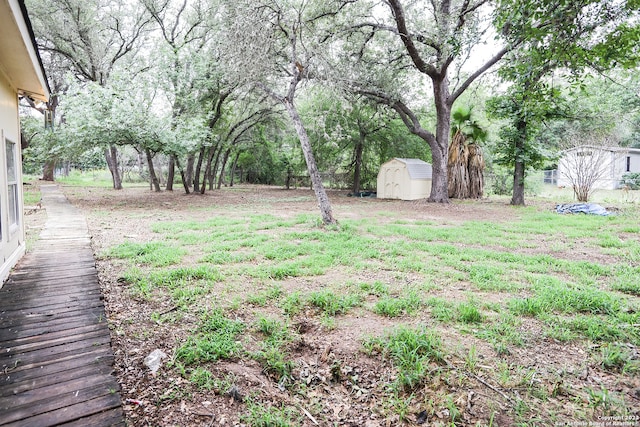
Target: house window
{"type": "Point", "coordinates": [628, 163]}
{"type": "Point", "coordinates": [12, 183]}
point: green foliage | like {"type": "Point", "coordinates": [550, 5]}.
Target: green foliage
{"type": "Point", "coordinates": [217, 339]}
{"type": "Point", "coordinates": [376, 288]}
{"type": "Point", "coordinates": [441, 309]}
{"type": "Point", "coordinates": [562, 298]}
{"type": "Point", "coordinates": [396, 306]}
{"type": "Point", "coordinates": [157, 254]}
{"type": "Point", "coordinates": [332, 304]}
{"type": "Point", "coordinates": [206, 381]}
{"type": "Point", "coordinates": [469, 312]}
{"type": "Point", "coordinates": [618, 358]}
{"type": "Point", "coordinates": [292, 304]}
{"type": "Point", "coordinates": [631, 180]}
{"type": "Point", "coordinates": [32, 195]}
{"type": "Point", "coordinates": [258, 415]}
{"type": "Point", "coordinates": [411, 351]}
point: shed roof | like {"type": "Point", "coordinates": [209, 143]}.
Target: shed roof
{"type": "Point", "coordinates": [418, 169]}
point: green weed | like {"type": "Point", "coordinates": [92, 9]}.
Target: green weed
{"type": "Point", "coordinates": [393, 307]}
{"type": "Point", "coordinates": [261, 299]}
{"type": "Point", "coordinates": [503, 333]}
{"type": "Point", "coordinates": [203, 379]}
{"type": "Point", "coordinates": [332, 304]}
{"type": "Point", "coordinates": [258, 415]}
{"type": "Point", "coordinates": [468, 312]}
{"type": "Point", "coordinates": [411, 351]}
{"type": "Point", "coordinates": [441, 309]}
{"type": "Point", "coordinates": [292, 304]}
{"type": "Point", "coordinates": [376, 288]}
{"type": "Point", "coordinates": [618, 358]}
{"type": "Point", "coordinates": [217, 339]}
{"type": "Point", "coordinates": [156, 254]}
{"type": "Point", "coordinates": [563, 298]}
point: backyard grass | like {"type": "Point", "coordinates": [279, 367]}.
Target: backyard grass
{"type": "Point", "coordinates": [473, 314]}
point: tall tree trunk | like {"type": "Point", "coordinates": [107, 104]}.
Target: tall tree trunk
{"type": "Point", "coordinates": [185, 183]}
{"type": "Point", "coordinates": [312, 168]}
{"type": "Point", "coordinates": [171, 172]}
{"type": "Point", "coordinates": [48, 170]}
{"type": "Point", "coordinates": [191, 160]}
{"type": "Point", "coordinates": [440, 146]}
{"type": "Point", "coordinates": [196, 175]}
{"type": "Point", "coordinates": [140, 164]}
{"type": "Point", "coordinates": [519, 168]}
{"type": "Point", "coordinates": [233, 169]}
{"type": "Point", "coordinates": [517, 197]}
{"type": "Point", "coordinates": [111, 156]}
{"type": "Point", "coordinates": [207, 169]}
{"type": "Point", "coordinates": [357, 167]}
{"type": "Point", "coordinates": [214, 168]}
{"type": "Point", "coordinates": [518, 183]}
{"type": "Point", "coordinates": [225, 158]}
{"type": "Point", "coordinates": [289, 177]}
{"type": "Point", "coordinates": [152, 172]}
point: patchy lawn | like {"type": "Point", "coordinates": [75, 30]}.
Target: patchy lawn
{"type": "Point", "coordinates": [475, 313]}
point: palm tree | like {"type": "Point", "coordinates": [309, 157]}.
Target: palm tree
{"type": "Point", "coordinates": [466, 163]}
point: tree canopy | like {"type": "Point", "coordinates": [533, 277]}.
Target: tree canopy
{"type": "Point", "coordinates": [213, 89]}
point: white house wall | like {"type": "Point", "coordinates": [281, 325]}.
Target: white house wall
{"type": "Point", "coordinates": [12, 245]}
{"type": "Point", "coordinates": [613, 164]}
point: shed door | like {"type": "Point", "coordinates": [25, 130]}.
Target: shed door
{"type": "Point", "coordinates": [397, 181]}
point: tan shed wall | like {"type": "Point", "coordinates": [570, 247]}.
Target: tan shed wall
{"type": "Point", "coordinates": [394, 183]}
{"type": "Point", "coordinates": [420, 189]}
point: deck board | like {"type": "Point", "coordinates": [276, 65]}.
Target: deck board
{"type": "Point", "coordinates": [56, 361]}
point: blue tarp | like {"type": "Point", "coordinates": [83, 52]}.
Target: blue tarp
{"type": "Point", "coordinates": [585, 208]}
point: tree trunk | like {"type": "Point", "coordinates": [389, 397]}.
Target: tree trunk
{"type": "Point", "coordinates": [519, 170]}
{"type": "Point", "coordinates": [152, 172]}
{"type": "Point", "coordinates": [171, 172]}
{"type": "Point", "coordinates": [225, 159]}
{"type": "Point", "coordinates": [440, 147]}
{"type": "Point", "coordinates": [191, 160]}
{"type": "Point", "coordinates": [140, 163]}
{"type": "Point", "coordinates": [357, 169]}
{"type": "Point", "coordinates": [48, 170]}
{"type": "Point", "coordinates": [196, 176]}
{"type": "Point", "coordinates": [111, 156]}
{"type": "Point", "coordinates": [318, 188]}
{"type": "Point", "coordinates": [233, 169]}
{"type": "Point", "coordinates": [214, 168]}
{"type": "Point", "coordinates": [185, 183]}
{"type": "Point", "coordinates": [207, 169]}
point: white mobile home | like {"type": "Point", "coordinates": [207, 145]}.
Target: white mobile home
{"type": "Point", "coordinates": [603, 166]}
{"type": "Point", "coordinates": [405, 179]}
{"type": "Point", "coordinates": [21, 74]}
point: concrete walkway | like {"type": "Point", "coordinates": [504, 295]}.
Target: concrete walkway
{"type": "Point", "coordinates": [56, 361]}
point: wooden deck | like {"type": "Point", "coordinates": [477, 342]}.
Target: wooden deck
{"type": "Point", "coordinates": [55, 350]}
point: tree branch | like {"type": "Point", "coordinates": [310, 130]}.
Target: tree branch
{"type": "Point", "coordinates": [401, 23]}
{"type": "Point", "coordinates": [490, 63]}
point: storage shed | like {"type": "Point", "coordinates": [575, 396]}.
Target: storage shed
{"type": "Point", "coordinates": [404, 179]}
